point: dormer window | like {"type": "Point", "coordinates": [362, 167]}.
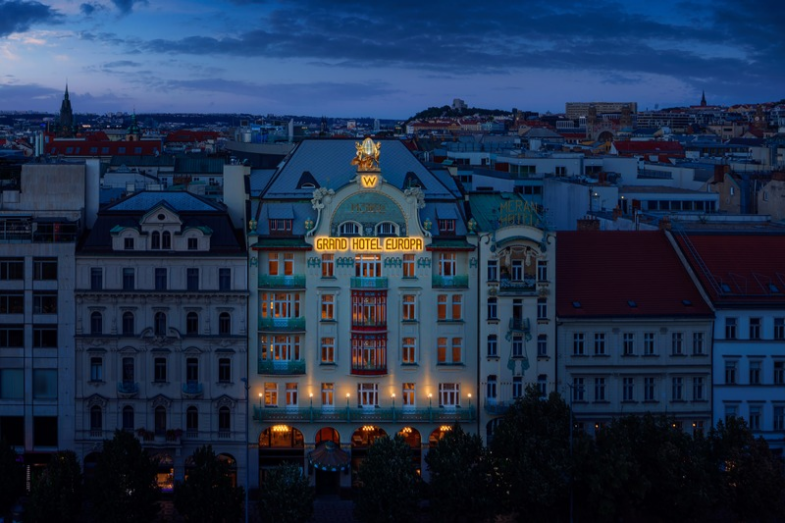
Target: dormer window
{"type": "Point", "coordinates": [446, 226]}
{"type": "Point", "coordinates": [155, 240]}
{"type": "Point", "coordinates": [128, 244]}
{"type": "Point", "coordinates": [386, 229]}
{"type": "Point", "coordinates": [166, 240]}
{"type": "Point", "coordinates": [349, 229]}
{"type": "Point", "coordinates": [280, 226]}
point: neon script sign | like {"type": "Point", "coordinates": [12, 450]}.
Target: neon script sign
{"type": "Point", "coordinates": [365, 244]}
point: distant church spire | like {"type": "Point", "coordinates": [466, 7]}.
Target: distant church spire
{"type": "Point", "coordinates": [703, 99]}
{"type": "Point", "coordinates": [65, 128]}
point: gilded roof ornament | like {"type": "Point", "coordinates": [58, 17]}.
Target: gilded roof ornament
{"type": "Point", "coordinates": [367, 157]}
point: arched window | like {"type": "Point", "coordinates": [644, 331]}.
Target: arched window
{"type": "Point", "coordinates": [159, 325]}
{"type": "Point", "coordinates": [386, 229]}
{"type": "Point", "coordinates": [166, 240]}
{"type": "Point", "coordinates": [192, 323]}
{"type": "Point", "coordinates": [155, 240]}
{"type": "Point", "coordinates": [224, 422]}
{"type": "Point", "coordinates": [349, 229]}
{"type": "Point", "coordinates": [96, 421]}
{"type": "Point", "coordinates": [192, 421]}
{"type": "Point", "coordinates": [128, 418]}
{"type": "Point", "coordinates": [96, 323]}
{"type": "Point", "coordinates": [160, 420]}
{"type": "Point", "coordinates": [224, 324]}
{"type": "Point", "coordinates": [128, 323]}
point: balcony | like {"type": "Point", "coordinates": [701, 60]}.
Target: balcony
{"type": "Point", "coordinates": [368, 283]}
{"type": "Point", "coordinates": [515, 287]}
{"type": "Point", "coordinates": [192, 389]}
{"type": "Point", "coordinates": [362, 415]}
{"type": "Point", "coordinates": [281, 367]}
{"type": "Point", "coordinates": [127, 389]}
{"type": "Point", "coordinates": [282, 282]}
{"type": "Point", "coordinates": [282, 324]}
{"type": "Point", "coordinates": [519, 325]}
{"type": "Point", "coordinates": [497, 408]}
{"type": "Point", "coordinates": [369, 370]}
{"type": "Point", "coordinates": [460, 281]}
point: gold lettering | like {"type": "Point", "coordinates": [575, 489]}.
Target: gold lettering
{"type": "Point", "coordinates": [369, 244]}
{"type": "Point", "coordinates": [368, 181]}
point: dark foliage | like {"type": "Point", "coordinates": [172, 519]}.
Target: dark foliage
{"type": "Point", "coordinates": [286, 495]}
{"type": "Point", "coordinates": [207, 495]}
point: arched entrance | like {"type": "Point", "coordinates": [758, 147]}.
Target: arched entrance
{"type": "Point", "coordinates": [90, 462]}
{"type": "Point", "coordinates": [362, 439]}
{"type": "Point", "coordinates": [413, 438]}
{"type": "Point", "coordinates": [278, 445]}
{"type": "Point", "coordinates": [438, 434]}
{"type": "Point", "coordinates": [328, 461]}
{"type": "Point", "coordinates": [165, 475]}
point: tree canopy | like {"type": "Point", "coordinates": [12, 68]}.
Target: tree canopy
{"type": "Point", "coordinates": [207, 495]}
{"type": "Point", "coordinates": [286, 495]}
{"type": "Point", "coordinates": [57, 493]}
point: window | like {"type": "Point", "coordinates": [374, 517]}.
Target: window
{"type": "Point", "coordinates": [96, 369]}
{"type": "Point", "coordinates": [45, 336]}
{"type": "Point", "coordinates": [493, 308]}
{"type": "Point", "coordinates": [224, 370]}
{"type": "Point", "coordinates": [45, 268]}
{"type": "Point", "coordinates": [754, 328]}
{"type": "Point", "coordinates": [159, 370]}
{"type": "Point", "coordinates": [129, 278]}
{"type": "Point", "coordinates": [448, 351]}
{"type": "Point", "coordinates": [493, 346]}
{"type": "Point", "coordinates": [449, 395]}
{"type": "Point", "coordinates": [517, 387]}
{"type": "Point", "coordinates": [224, 279]}
{"type": "Point", "coordinates": [192, 421]}
{"type": "Point", "coordinates": [369, 352]}
{"type": "Point", "coordinates": [446, 226]}
{"type": "Point", "coordinates": [128, 244]}
{"type": "Point", "coordinates": [755, 372]}
{"type": "Point", "coordinates": [43, 303]}
{"type": "Point", "coordinates": [677, 344]}
{"type": "Point", "coordinates": [328, 307]}
{"type": "Point", "coordinates": [628, 389]}
{"type": "Point", "coordinates": [779, 372]}
{"type": "Point", "coordinates": [367, 395]}
{"type": "Point", "coordinates": [578, 389]}
{"type": "Point", "coordinates": [599, 344]}
{"type": "Point", "coordinates": [166, 240]}
{"type": "Point", "coordinates": [160, 420]}
{"type": "Point", "coordinates": [517, 346]}
{"type": "Point", "coordinates": [648, 344]}
{"type": "Point", "coordinates": [408, 266]}
{"type": "Point", "coordinates": [225, 324]}
{"type": "Point", "coordinates": [128, 323]}
{"type": "Point", "coordinates": [155, 240]}
{"type": "Point", "coordinates": [578, 348]}
{"type": "Point", "coordinates": [96, 421]}
{"type": "Point", "coordinates": [542, 385]}
{"type": "Point", "coordinates": [649, 386]}
{"type": "Point", "coordinates": [697, 389]}
{"type": "Point", "coordinates": [408, 352]}
{"type": "Point", "coordinates": [697, 343]}
{"type": "Point", "coordinates": [192, 323]}
{"type": "Point", "coordinates": [291, 394]}
{"type": "Point", "coordinates": [328, 265]}
{"type": "Point", "coordinates": [128, 370]}
{"type": "Point", "coordinates": [160, 279]}
{"type": "Point", "coordinates": [517, 270]}
{"type": "Point", "coordinates": [349, 229]}
{"type": "Point", "coordinates": [542, 345]}
{"type": "Point", "coordinates": [12, 384]}
{"type": "Point", "coordinates": [493, 270]}
{"type": "Point", "coordinates": [192, 279]}
{"type": "Point", "coordinates": [599, 389]}
{"type": "Point", "coordinates": [328, 350]}
{"type": "Point", "coordinates": [755, 417]}
{"type": "Point", "coordinates": [386, 229]}
{"type": "Point", "coordinates": [628, 344]}
{"type": "Point", "coordinates": [280, 225]}
{"type": "Point", "coordinates": [449, 307]}
{"type": "Point", "coordinates": [12, 269]}
{"type": "Point", "coordinates": [159, 323]}
{"type": "Point", "coordinates": [96, 278]}
{"type": "Point", "coordinates": [408, 395]}
{"type": "Point", "coordinates": [96, 323]}
{"type": "Point", "coordinates": [456, 311]}
{"type": "Point", "coordinates": [13, 303]}
{"type": "Point", "coordinates": [193, 244]}
{"type": "Point", "coordinates": [542, 308]}
{"type": "Point", "coordinates": [730, 328]}
{"type": "Point", "coordinates": [779, 328]}
{"type": "Point", "coordinates": [779, 417]}
{"type": "Point", "coordinates": [677, 389]}
{"type": "Point", "coordinates": [270, 395]}
{"type": "Point", "coordinates": [542, 270]}
{"type": "Point", "coordinates": [12, 336]}
{"type": "Point", "coordinates": [328, 395]}
{"type": "Point", "coordinates": [447, 264]}
{"type": "Point", "coordinates": [490, 387]}
{"type": "Point", "coordinates": [730, 372]}
{"type": "Point", "coordinates": [45, 384]}
{"type": "Point", "coordinates": [128, 418]}
{"type": "Point", "coordinates": [409, 308]}
{"type": "Point", "coordinates": [281, 348]}
{"type": "Point", "coordinates": [192, 370]}
{"type": "Point", "coordinates": [368, 266]}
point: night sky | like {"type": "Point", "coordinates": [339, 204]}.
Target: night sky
{"type": "Point", "coordinates": [386, 59]}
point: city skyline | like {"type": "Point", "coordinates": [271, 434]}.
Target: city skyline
{"type": "Point", "coordinates": [386, 60]}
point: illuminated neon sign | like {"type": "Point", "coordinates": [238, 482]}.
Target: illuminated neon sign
{"type": "Point", "coordinates": [367, 244]}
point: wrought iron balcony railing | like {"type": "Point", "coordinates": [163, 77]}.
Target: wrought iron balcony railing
{"type": "Point", "coordinates": [459, 281]}
{"type": "Point", "coordinates": [283, 324]}
{"type": "Point", "coordinates": [349, 415]}
{"type": "Point", "coordinates": [368, 283]}
{"type": "Point", "coordinates": [295, 281]}
{"type": "Point", "coordinates": [281, 367]}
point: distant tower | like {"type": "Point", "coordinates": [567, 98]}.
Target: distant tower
{"type": "Point", "coordinates": [65, 129]}
{"type": "Point", "coordinates": [703, 99]}
{"type": "Point", "coordinates": [591, 120]}
{"type": "Point", "coordinates": [323, 127]}
{"type": "Point", "coordinates": [133, 130]}
{"type": "Point", "coordinates": [626, 117]}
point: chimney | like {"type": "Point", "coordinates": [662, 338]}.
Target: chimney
{"type": "Point", "coordinates": [588, 223]}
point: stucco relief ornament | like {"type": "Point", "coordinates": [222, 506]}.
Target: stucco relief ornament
{"type": "Point", "coordinates": [367, 156]}
{"type": "Point", "coordinates": [321, 198]}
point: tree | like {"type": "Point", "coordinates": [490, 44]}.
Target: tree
{"type": "Point", "coordinates": [464, 479]}
{"type": "Point", "coordinates": [207, 495]}
{"type": "Point", "coordinates": [286, 495]}
{"type": "Point", "coordinates": [124, 488]}
{"type": "Point", "coordinates": [57, 494]}
{"type": "Point", "coordinates": [390, 486]}
{"type": "Point", "coordinates": [12, 478]}
{"type": "Point", "coordinates": [532, 446]}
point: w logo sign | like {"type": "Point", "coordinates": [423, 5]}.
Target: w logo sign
{"type": "Point", "coordinates": [369, 181]}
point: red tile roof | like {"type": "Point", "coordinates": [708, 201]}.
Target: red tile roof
{"type": "Point", "coordinates": [649, 147]}
{"type": "Point", "coordinates": [622, 274]}
{"type": "Point", "coordinates": [746, 269]}
{"type": "Point", "coordinates": [89, 148]}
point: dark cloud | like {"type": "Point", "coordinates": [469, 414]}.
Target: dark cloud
{"type": "Point", "coordinates": [19, 15]}
{"type": "Point", "coordinates": [126, 6]}
{"type": "Point", "coordinates": [88, 9]}
{"type": "Point", "coordinates": [120, 63]}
